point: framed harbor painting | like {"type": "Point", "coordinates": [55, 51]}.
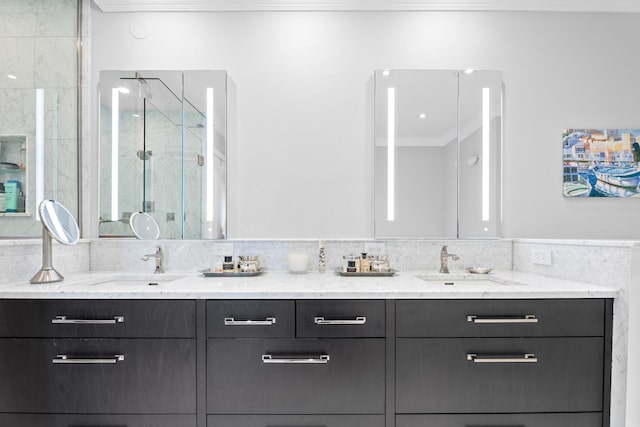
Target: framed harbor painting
{"type": "Point", "coordinates": [601, 162]}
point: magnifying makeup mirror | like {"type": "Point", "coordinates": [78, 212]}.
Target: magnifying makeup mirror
{"type": "Point", "coordinates": [144, 226]}
{"type": "Point", "coordinates": [57, 222]}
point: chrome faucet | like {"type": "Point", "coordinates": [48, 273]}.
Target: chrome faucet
{"type": "Point", "coordinates": [159, 257]}
{"type": "Point", "coordinates": [444, 259]}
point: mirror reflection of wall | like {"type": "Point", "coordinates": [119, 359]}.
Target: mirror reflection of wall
{"type": "Point", "coordinates": [436, 158]}
{"type": "Point", "coordinates": [163, 152]}
{"type": "Point", "coordinates": [38, 112]}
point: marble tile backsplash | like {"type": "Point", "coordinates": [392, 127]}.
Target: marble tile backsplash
{"type": "Point", "coordinates": [190, 255]}
{"type": "Point", "coordinates": [601, 263]}
{"type": "Point", "coordinates": [21, 259]}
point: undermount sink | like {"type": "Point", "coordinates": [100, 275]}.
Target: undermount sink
{"type": "Point", "coordinates": [136, 279]}
{"type": "Point", "coordinates": [473, 280]}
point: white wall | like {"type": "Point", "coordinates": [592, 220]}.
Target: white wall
{"type": "Point", "coordinates": [301, 164]}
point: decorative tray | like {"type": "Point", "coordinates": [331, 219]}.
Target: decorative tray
{"type": "Point", "coordinates": [209, 273]}
{"type": "Point", "coordinates": [370, 274]}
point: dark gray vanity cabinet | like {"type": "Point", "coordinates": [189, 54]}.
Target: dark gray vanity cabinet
{"type": "Point", "coordinates": [305, 363]}
{"type": "Point", "coordinates": [515, 358]}
{"type": "Point", "coordinates": [296, 363]}
{"type": "Point", "coordinates": [70, 362]}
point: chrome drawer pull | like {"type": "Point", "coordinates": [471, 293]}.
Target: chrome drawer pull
{"type": "Point", "coordinates": [230, 321]}
{"type": "Point", "coordinates": [321, 359]}
{"type": "Point", "coordinates": [524, 358]}
{"type": "Point", "coordinates": [63, 320]}
{"type": "Point", "coordinates": [527, 318]}
{"type": "Point", "coordinates": [359, 320]}
{"type": "Point", "coordinates": [64, 359]}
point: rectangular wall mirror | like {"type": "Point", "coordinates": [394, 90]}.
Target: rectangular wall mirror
{"type": "Point", "coordinates": [163, 151]}
{"type": "Point", "coordinates": [437, 153]}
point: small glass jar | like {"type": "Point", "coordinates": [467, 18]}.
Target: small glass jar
{"type": "Point", "coordinates": [380, 264]}
{"type": "Point", "coordinates": [249, 263]}
{"type": "Point", "coordinates": [351, 263]}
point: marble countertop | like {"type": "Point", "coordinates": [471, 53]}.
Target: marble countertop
{"type": "Point", "coordinates": [328, 285]}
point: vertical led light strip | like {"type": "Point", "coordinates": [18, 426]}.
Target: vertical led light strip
{"type": "Point", "coordinates": [391, 154]}
{"type": "Point", "coordinates": [209, 160]}
{"type": "Point", "coordinates": [115, 124]}
{"type": "Point", "coordinates": [486, 152]}
{"type": "Point", "coordinates": [39, 149]}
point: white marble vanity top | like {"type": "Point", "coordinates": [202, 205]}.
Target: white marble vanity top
{"type": "Point", "coordinates": [283, 285]}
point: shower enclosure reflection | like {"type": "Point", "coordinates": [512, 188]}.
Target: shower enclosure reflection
{"type": "Point", "coordinates": [163, 139]}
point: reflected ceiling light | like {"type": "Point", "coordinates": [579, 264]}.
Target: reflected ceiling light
{"type": "Point", "coordinates": [386, 73]}
{"type": "Point", "coordinates": [11, 76]}
{"type": "Point", "coordinates": [136, 115]}
{"type": "Point", "coordinates": [391, 153]}
{"type": "Point", "coordinates": [486, 147]}
{"type": "Point", "coordinates": [469, 71]}
{"type": "Point", "coordinates": [123, 89]}
{"type": "Point", "coordinates": [422, 115]}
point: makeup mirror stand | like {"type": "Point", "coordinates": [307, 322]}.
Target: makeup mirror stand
{"type": "Point", "coordinates": [47, 273]}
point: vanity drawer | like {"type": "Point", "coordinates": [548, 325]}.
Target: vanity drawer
{"type": "Point", "coordinates": [97, 318]}
{"type": "Point", "coordinates": [56, 420]}
{"type": "Point", "coordinates": [152, 376]}
{"type": "Point", "coordinates": [439, 375]}
{"type": "Point", "coordinates": [254, 319]}
{"type": "Point", "coordinates": [340, 318]}
{"type": "Point", "coordinates": [592, 419]}
{"type": "Point", "coordinates": [295, 420]}
{"type": "Point", "coordinates": [500, 318]}
{"type": "Point", "coordinates": [261, 376]}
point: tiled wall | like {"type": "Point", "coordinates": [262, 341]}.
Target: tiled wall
{"type": "Point", "coordinates": [21, 259]}
{"type": "Point", "coordinates": [192, 255]}
{"type": "Point", "coordinates": [38, 46]}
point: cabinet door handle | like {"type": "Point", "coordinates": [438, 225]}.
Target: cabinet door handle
{"type": "Point", "coordinates": [523, 358]}
{"type": "Point", "coordinates": [358, 320]}
{"type": "Point", "coordinates": [63, 320]}
{"type": "Point", "coordinates": [65, 359]}
{"type": "Point", "coordinates": [527, 318]}
{"type": "Point", "coordinates": [231, 321]}
{"type": "Point", "coordinates": [320, 359]}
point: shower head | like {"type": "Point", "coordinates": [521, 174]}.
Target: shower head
{"type": "Point", "coordinates": [144, 155]}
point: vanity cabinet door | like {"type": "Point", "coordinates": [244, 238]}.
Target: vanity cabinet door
{"type": "Point", "coordinates": [295, 421]}
{"type": "Point", "coordinates": [56, 420]}
{"type": "Point", "coordinates": [296, 376]}
{"type": "Point", "coordinates": [97, 318]}
{"type": "Point", "coordinates": [257, 319]}
{"type": "Point", "coordinates": [340, 318]}
{"type": "Point", "coordinates": [500, 318]}
{"type": "Point", "coordinates": [501, 420]}
{"type": "Point", "coordinates": [126, 376]}
{"type": "Point", "coordinates": [499, 375]}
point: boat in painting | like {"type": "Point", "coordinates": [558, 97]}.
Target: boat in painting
{"type": "Point", "coordinates": [576, 183]}
{"type": "Point", "coordinates": [626, 177]}
{"type": "Point", "coordinates": [576, 189]}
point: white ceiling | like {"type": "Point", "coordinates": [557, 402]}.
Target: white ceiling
{"type": "Point", "coordinates": [623, 6]}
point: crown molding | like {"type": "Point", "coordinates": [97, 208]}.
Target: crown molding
{"type": "Point", "coordinates": [594, 6]}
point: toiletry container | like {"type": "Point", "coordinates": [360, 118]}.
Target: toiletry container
{"type": "Point", "coordinates": [3, 204]}
{"type": "Point", "coordinates": [11, 190]}
{"type": "Point", "coordinates": [298, 262]}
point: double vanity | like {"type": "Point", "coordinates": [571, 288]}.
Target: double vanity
{"type": "Point", "coordinates": [182, 350]}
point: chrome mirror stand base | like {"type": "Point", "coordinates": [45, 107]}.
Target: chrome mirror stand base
{"type": "Point", "coordinates": [47, 275]}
